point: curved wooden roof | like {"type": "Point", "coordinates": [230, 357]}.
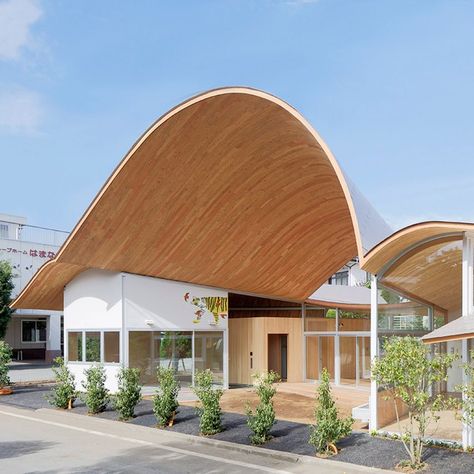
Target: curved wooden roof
{"type": "Point", "coordinates": [422, 261]}
{"type": "Point", "coordinates": [409, 237]}
{"type": "Point", "coordinates": [232, 189]}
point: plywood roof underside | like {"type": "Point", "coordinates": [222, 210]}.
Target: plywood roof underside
{"type": "Point", "coordinates": [231, 189]}
{"type": "Point", "coordinates": [423, 261]}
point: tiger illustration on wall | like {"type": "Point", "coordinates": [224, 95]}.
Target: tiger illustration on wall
{"type": "Point", "coordinates": [216, 305]}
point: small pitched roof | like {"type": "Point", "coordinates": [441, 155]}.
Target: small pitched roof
{"type": "Point", "coordinates": [460, 328]}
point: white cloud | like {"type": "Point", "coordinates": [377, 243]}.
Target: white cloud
{"type": "Point", "coordinates": [16, 19]}
{"type": "Point", "coordinates": [21, 111]}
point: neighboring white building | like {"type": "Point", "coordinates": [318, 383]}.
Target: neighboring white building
{"type": "Point", "coordinates": [33, 334]}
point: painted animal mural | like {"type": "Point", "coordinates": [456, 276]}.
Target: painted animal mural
{"type": "Point", "coordinates": [216, 305]}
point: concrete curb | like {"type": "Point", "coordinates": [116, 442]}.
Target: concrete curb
{"type": "Point", "coordinates": [203, 441]}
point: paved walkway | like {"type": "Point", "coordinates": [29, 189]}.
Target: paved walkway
{"type": "Point", "coordinates": [50, 441]}
{"type": "Point", "coordinates": [30, 371]}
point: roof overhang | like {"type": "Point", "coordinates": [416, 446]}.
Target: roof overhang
{"type": "Point", "coordinates": [460, 328]}
{"type": "Point", "coordinates": [231, 189]}
{"type": "Point", "coordinates": [422, 261]}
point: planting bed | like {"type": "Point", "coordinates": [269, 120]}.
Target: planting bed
{"type": "Point", "coordinates": [359, 448]}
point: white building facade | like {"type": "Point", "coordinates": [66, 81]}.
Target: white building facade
{"type": "Point", "coordinates": [123, 319]}
{"type": "Point", "coordinates": [32, 334]}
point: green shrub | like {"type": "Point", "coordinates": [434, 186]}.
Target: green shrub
{"type": "Point", "coordinates": [5, 359]}
{"type": "Point", "coordinates": [129, 392]}
{"type": "Point", "coordinates": [263, 419]}
{"type": "Point", "coordinates": [329, 428]}
{"type": "Point", "coordinates": [64, 392]}
{"type": "Point", "coordinates": [96, 396]}
{"type": "Point", "coordinates": [209, 410]}
{"type": "Point", "coordinates": [165, 401]}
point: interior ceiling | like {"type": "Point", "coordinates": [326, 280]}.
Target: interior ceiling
{"type": "Point", "coordinates": [231, 189]}
{"type": "Point", "coordinates": [431, 272]}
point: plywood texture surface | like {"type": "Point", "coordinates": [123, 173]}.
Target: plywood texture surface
{"type": "Point", "coordinates": [232, 189]}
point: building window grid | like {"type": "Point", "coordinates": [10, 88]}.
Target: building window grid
{"type": "Point", "coordinates": [87, 351]}
{"type": "Point", "coordinates": [340, 278]}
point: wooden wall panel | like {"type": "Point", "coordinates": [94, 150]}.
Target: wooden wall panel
{"type": "Point", "coordinates": [251, 335]}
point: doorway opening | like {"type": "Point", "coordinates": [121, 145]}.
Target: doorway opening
{"type": "Point", "coordinates": [278, 354]}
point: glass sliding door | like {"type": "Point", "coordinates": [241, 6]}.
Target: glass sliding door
{"type": "Point", "coordinates": [319, 355]}
{"type": "Point", "coordinates": [209, 353]}
{"type": "Point", "coordinates": [355, 360]}
{"type": "Point", "coordinates": [175, 350]}
{"type": "Point", "coordinates": [184, 351]}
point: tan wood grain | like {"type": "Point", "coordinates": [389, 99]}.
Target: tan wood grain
{"type": "Point", "coordinates": [231, 189]}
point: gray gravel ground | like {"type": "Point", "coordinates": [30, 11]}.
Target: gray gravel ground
{"type": "Point", "coordinates": [359, 448]}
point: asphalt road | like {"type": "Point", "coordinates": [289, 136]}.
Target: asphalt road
{"type": "Point", "coordinates": [48, 441]}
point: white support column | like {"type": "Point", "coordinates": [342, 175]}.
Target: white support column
{"type": "Point", "coordinates": [373, 425]}
{"type": "Point", "coordinates": [53, 336]}
{"type": "Point", "coordinates": [337, 353]}
{"type": "Point", "coordinates": [226, 359]}
{"type": "Point", "coordinates": [467, 310]}
{"type": "Point", "coordinates": [303, 317]}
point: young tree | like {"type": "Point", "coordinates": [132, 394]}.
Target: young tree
{"type": "Point", "coordinates": [6, 288]}
{"type": "Point", "coordinates": [64, 392]}
{"type": "Point", "coordinates": [165, 401]}
{"type": "Point", "coordinates": [263, 419]}
{"type": "Point", "coordinates": [209, 410]}
{"type": "Point", "coordinates": [328, 428]}
{"type": "Point", "coordinates": [408, 372]}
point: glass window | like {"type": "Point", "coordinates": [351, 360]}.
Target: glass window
{"type": "Point", "coordinates": [318, 319]}
{"type": "Point", "coordinates": [209, 353]}
{"type": "Point", "coordinates": [149, 350]}
{"type": "Point", "coordinates": [339, 278]}
{"type": "Point", "coordinates": [3, 231]}
{"type": "Point", "coordinates": [354, 320]}
{"type": "Point", "coordinates": [175, 350]}
{"type": "Point", "coordinates": [112, 346]}
{"type": "Point", "coordinates": [140, 355]}
{"type": "Point", "coordinates": [319, 355]}
{"type": "Point", "coordinates": [74, 341]}
{"type": "Point", "coordinates": [92, 346]}
{"type": "Point", "coordinates": [400, 315]}
{"type": "Point", "coordinates": [33, 331]}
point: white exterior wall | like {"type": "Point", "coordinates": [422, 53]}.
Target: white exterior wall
{"type": "Point", "coordinates": [93, 301]}
{"type": "Point", "coordinates": [153, 303]}
{"type": "Point", "coordinates": [97, 300]}
{"type": "Point", "coordinates": [357, 276]}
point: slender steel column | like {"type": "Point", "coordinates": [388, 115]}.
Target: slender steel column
{"type": "Point", "coordinates": [373, 425]}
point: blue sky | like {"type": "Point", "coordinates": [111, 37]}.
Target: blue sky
{"type": "Point", "coordinates": [389, 85]}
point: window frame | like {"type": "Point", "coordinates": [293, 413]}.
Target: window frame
{"type": "Point", "coordinates": [36, 331]}
{"type": "Point", "coordinates": [101, 339]}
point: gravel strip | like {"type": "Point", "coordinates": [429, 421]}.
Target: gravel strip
{"type": "Point", "coordinates": [359, 448]}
